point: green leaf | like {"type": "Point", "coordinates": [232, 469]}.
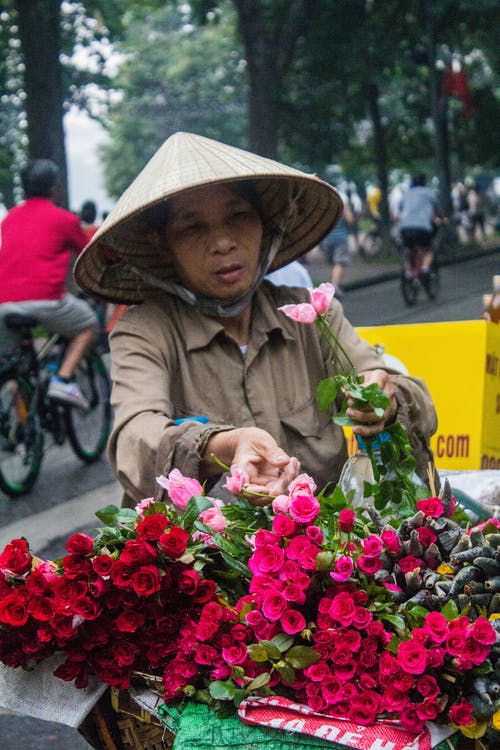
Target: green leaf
{"type": "Point", "coordinates": [108, 514]}
{"type": "Point", "coordinates": [126, 515]}
{"type": "Point", "coordinates": [286, 672]}
{"type": "Point", "coordinates": [258, 653]}
{"type": "Point", "coordinates": [395, 620]}
{"type": "Point", "coordinates": [272, 650]}
{"type": "Point", "coordinates": [222, 690]}
{"type": "Point", "coordinates": [259, 682]}
{"type": "Point", "coordinates": [195, 506]}
{"type": "Point", "coordinates": [326, 393]}
{"type": "Point", "coordinates": [282, 641]}
{"type": "Point", "coordinates": [301, 657]}
{"type": "Point", "coordinates": [344, 421]}
{"type": "Point", "coordinates": [450, 610]}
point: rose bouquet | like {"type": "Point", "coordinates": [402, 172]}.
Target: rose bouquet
{"type": "Point", "coordinates": [354, 616]}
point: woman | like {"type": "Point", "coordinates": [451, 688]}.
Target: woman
{"type": "Point", "coordinates": [189, 243]}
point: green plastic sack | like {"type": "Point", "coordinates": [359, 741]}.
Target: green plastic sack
{"type": "Point", "coordinates": [200, 728]}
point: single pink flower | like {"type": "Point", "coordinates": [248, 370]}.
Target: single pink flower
{"type": "Point", "coordinates": [180, 489]}
{"type": "Point", "coordinates": [304, 509]}
{"type": "Point", "coordinates": [213, 517]}
{"type": "Point", "coordinates": [390, 540]}
{"type": "Point", "coordinates": [343, 569]}
{"type": "Point", "coordinates": [436, 627]}
{"type": "Point", "coordinates": [237, 480]}
{"type": "Point", "coordinates": [461, 714]}
{"type": "Point", "coordinates": [321, 297]}
{"type": "Point", "coordinates": [281, 504]}
{"type": "Point", "coordinates": [431, 506]}
{"type": "Point", "coordinates": [372, 546]}
{"type": "Point", "coordinates": [412, 657]}
{"type": "Point", "coordinates": [143, 505]}
{"type": "Point", "coordinates": [292, 621]}
{"type": "Point", "coordinates": [346, 520]}
{"type": "Point", "coordinates": [302, 485]}
{"type": "Point", "coordinates": [301, 313]}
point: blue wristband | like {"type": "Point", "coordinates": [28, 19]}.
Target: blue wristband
{"type": "Point", "coordinates": [203, 420]}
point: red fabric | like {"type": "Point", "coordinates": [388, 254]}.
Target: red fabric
{"type": "Point", "coordinates": [36, 241]}
{"type": "Point", "coordinates": [456, 84]}
{"type": "Point", "coordinates": [281, 713]}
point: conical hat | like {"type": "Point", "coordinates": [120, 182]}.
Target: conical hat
{"type": "Point", "coordinates": [108, 267]}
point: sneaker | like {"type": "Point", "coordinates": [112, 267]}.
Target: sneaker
{"type": "Point", "coordinates": [67, 393]}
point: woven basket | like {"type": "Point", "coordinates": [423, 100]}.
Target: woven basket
{"type": "Point", "coordinates": [118, 722]}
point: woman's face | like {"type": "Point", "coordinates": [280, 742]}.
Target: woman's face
{"type": "Point", "coordinates": [214, 236]}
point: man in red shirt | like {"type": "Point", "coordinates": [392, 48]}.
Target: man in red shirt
{"type": "Point", "coordinates": [36, 241]}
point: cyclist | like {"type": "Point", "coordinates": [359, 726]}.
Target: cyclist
{"type": "Point", "coordinates": [419, 214]}
{"type": "Point", "coordinates": [36, 241]}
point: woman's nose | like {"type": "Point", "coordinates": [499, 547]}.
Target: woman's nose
{"type": "Point", "coordinates": [221, 240]}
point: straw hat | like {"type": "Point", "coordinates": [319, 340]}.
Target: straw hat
{"type": "Point", "coordinates": [109, 265]}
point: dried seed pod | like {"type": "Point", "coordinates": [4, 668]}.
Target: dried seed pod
{"type": "Point", "coordinates": [432, 555]}
{"type": "Point", "coordinates": [480, 685]}
{"type": "Point", "coordinates": [463, 543]}
{"type": "Point", "coordinates": [377, 520]}
{"type": "Point", "coordinates": [421, 597]}
{"type": "Point", "coordinates": [413, 580]}
{"type": "Point", "coordinates": [469, 554]}
{"type": "Point", "coordinates": [477, 537]}
{"type": "Point", "coordinates": [465, 575]}
{"type": "Point", "coordinates": [441, 591]}
{"type": "Point", "coordinates": [488, 565]}
{"type": "Point", "coordinates": [480, 600]}
{"type": "Point", "coordinates": [430, 578]}
{"type": "Point", "coordinates": [411, 523]}
{"type": "Point", "coordinates": [494, 609]}
{"type": "Point", "coordinates": [493, 540]}
{"type": "Point", "coordinates": [493, 584]}
{"type": "Point", "coordinates": [446, 496]}
{"type": "Point", "coordinates": [474, 587]}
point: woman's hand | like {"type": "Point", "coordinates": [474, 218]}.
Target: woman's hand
{"type": "Point", "coordinates": [270, 470]}
{"type": "Point", "coordinates": [370, 423]}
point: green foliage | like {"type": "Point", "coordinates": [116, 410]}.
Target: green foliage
{"type": "Point", "coordinates": [176, 77]}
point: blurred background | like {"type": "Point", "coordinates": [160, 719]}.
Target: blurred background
{"type": "Point", "coordinates": [362, 92]}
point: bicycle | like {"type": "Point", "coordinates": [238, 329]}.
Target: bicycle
{"type": "Point", "coordinates": [27, 414]}
{"type": "Point", "coordinates": [413, 281]}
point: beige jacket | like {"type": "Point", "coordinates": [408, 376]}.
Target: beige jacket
{"type": "Point", "coordinates": [169, 362]}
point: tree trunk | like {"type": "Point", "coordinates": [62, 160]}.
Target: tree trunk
{"type": "Point", "coordinates": [269, 35]}
{"type": "Point", "coordinates": [439, 112]}
{"type": "Point", "coordinates": [39, 32]}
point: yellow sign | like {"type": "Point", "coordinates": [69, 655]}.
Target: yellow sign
{"type": "Point", "coordinates": [460, 363]}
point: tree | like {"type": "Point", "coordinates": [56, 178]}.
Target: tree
{"type": "Point", "coordinates": [176, 76]}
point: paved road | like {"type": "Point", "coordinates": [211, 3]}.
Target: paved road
{"type": "Point", "coordinates": [67, 492]}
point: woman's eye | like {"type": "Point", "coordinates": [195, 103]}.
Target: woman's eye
{"type": "Point", "coordinates": [192, 228]}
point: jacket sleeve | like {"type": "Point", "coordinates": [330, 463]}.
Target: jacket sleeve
{"type": "Point", "coordinates": [145, 441]}
{"type": "Point", "coordinates": [416, 410]}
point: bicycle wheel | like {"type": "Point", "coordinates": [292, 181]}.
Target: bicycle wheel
{"type": "Point", "coordinates": [88, 431]}
{"type": "Point", "coordinates": [371, 245]}
{"type": "Point", "coordinates": [21, 438]}
{"type": "Point", "coordinates": [409, 289]}
{"type": "Point", "coordinates": [431, 284]}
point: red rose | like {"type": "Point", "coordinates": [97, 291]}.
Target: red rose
{"type": "Point", "coordinates": [409, 563]}
{"type": "Point", "coordinates": [80, 544]}
{"type": "Point", "coordinates": [152, 527]}
{"type": "Point", "coordinates": [426, 535]}
{"type": "Point", "coordinates": [188, 582]}
{"type": "Point", "coordinates": [124, 652]}
{"type": "Point", "coordinates": [88, 608]}
{"type": "Point", "coordinates": [121, 575]}
{"type": "Point", "coordinates": [102, 565]}
{"type": "Point", "coordinates": [174, 542]}
{"type": "Point", "coordinates": [204, 592]}
{"type": "Point", "coordinates": [346, 520]}
{"type": "Point", "coordinates": [412, 657]}
{"type": "Point", "coordinates": [129, 621]}
{"type": "Point", "coordinates": [138, 552]}
{"type": "Point", "coordinates": [431, 506]}
{"type": "Point", "coordinates": [76, 566]}
{"type": "Point", "coordinates": [41, 608]}
{"type": "Point", "coordinates": [15, 558]}
{"type": "Point", "coordinates": [14, 610]}
{"type": "Point", "coordinates": [146, 580]}
{"type": "Point", "coordinates": [461, 713]}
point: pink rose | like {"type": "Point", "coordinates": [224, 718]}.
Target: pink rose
{"type": "Point", "coordinates": [266, 559]}
{"type": "Point", "coordinates": [235, 654]}
{"type": "Point", "coordinates": [281, 504]}
{"type": "Point", "coordinates": [302, 485]}
{"type": "Point", "coordinates": [482, 631]}
{"type": "Point", "coordinates": [393, 699]}
{"type": "Point", "coordinates": [343, 569]}
{"type": "Point", "coordinates": [274, 604]}
{"type": "Point", "coordinates": [284, 525]}
{"type": "Point", "coordinates": [143, 505]}
{"type": "Point", "coordinates": [412, 657]}
{"type": "Point", "coordinates": [292, 621]}
{"type": "Point", "coordinates": [461, 714]}
{"type": "Point", "coordinates": [431, 506]}
{"type": "Point", "coordinates": [428, 709]}
{"type": "Point", "coordinates": [321, 297]}
{"type": "Point", "coordinates": [213, 517]}
{"type": "Point", "coordinates": [180, 489]}
{"type": "Point", "coordinates": [369, 565]}
{"type": "Point", "coordinates": [237, 480]}
{"type": "Point", "coordinates": [372, 546]}
{"type": "Point", "coordinates": [342, 608]}
{"type": "Point", "coordinates": [426, 536]}
{"type": "Point", "coordinates": [305, 552]}
{"type": "Point", "coordinates": [391, 541]}
{"type": "Point", "coordinates": [436, 627]}
{"type": "Point", "coordinates": [301, 313]}
{"type": "Point", "coordinates": [304, 509]}
{"type": "Point", "coordinates": [346, 520]}
{"type": "Point", "coordinates": [410, 719]}
{"type": "Point", "coordinates": [315, 534]}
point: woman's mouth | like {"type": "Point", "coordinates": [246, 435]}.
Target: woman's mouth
{"type": "Point", "coordinates": [229, 273]}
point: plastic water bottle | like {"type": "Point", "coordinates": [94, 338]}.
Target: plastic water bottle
{"type": "Point", "coordinates": [356, 471]}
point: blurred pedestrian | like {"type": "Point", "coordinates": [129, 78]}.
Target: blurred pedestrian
{"type": "Point", "coordinates": [336, 247]}
{"type": "Point", "coordinates": [88, 215]}
{"type": "Point", "coordinates": [475, 207]}
{"type": "Point", "coordinates": [37, 239]}
{"type": "Point", "coordinates": [419, 213]}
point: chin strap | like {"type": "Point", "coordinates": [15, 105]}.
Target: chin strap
{"type": "Point", "coordinates": [218, 308]}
